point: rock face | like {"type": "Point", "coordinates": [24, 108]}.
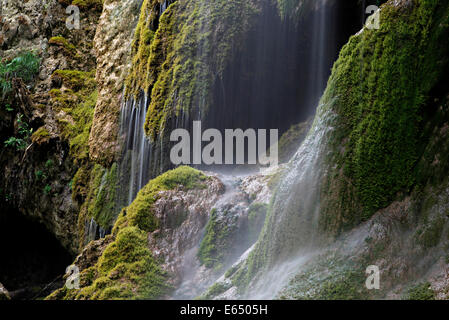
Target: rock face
{"type": "Point", "coordinates": [183, 216]}
{"type": "Point", "coordinates": [37, 182]}
{"type": "Point", "coordinates": [112, 46]}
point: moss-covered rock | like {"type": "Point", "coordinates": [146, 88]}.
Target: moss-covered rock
{"type": "Point", "coordinates": [75, 101]}
{"type": "Point", "coordinates": [140, 213]}
{"type": "Point", "coordinates": [378, 90]}
{"type": "Point", "coordinates": [291, 140]}
{"type": "Point", "coordinates": [127, 269]}
{"type": "Point", "coordinates": [178, 56]}
{"type": "Point", "coordinates": [62, 42]}
{"type": "Point", "coordinates": [89, 4]}
{"type": "Point", "coordinates": [40, 136]}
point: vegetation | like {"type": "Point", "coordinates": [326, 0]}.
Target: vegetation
{"type": "Point", "coordinates": [20, 142]}
{"type": "Point", "coordinates": [127, 269]}
{"type": "Point", "coordinates": [24, 66]}
{"type": "Point", "coordinates": [291, 140]}
{"type": "Point", "coordinates": [140, 212]}
{"type": "Point", "coordinates": [378, 89]}
{"type": "Point", "coordinates": [63, 43]}
{"type": "Point", "coordinates": [208, 254]}
{"type": "Point", "coordinates": [166, 63]}
{"type": "Point", "coordinates": [88, 4]}
{"type": "Point", "coordinates": [77, 99]}
{"type": "Point", "coordinates": [421, 291]}
{"type": "Point", "coordinates": [40, 136]}
{"type": "Point", "coordinates": [215, 290]}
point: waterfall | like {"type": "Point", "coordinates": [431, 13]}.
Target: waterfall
{"type": "Point", "coordinates": [137, 148]}
{"type": "Point", "coordinates": [290, 236]}
{"type": "Point", "coordinates": [247, 95]}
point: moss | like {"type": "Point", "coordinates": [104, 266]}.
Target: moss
{"type": "Point", "coordinates": [378, 91]}
{"type": "Point", "coordinates": [127, 269]}
{"type": "Point", "coordinates": [215, 290]}
{"type": "Point", "coordinates": [216, 244]}
{"type": "Point", "coordinates": [77, 98]}
{"type": "Point", "coordinates": [62, 42]}
{"type": "Point", "coordinates": [329, 277]}
{"type": "Point", "coordinates": [291, 140]}
{"type": "Point", "coordinates": [102, 209]}
{"type": "Point", "coordinates": [275, 178]}
{"type": "Point", "coordinates": [40, 136]}
{"type": "Point", "coordinates": [431, 235]}
{"type": "Point", "coordinates": [421, 291]}
{"type": "Point", "coordinates": [140, 212]}
{"type": "Point", "coordinates": [75, 79]}
{"type": "Point", "coordinates": [89, 4]}
{"type": "Point", "coordinates": [177, 57]}
{"type": "Point", "coordinates": [256, 219]}
{"type": "Point", "coordinates": [96, 188]}
{"type": "Point", "coordinates": [208, 254]}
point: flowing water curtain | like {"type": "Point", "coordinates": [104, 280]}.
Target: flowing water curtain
{"type": "Point", "coordinates": [177, 56]}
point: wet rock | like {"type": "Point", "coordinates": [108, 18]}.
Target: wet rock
{"type": "Point", "coordinates": [91, 253]}
{"type": "Point", "coordinates": [183, 215]}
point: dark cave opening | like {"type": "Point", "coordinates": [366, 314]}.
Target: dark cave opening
{"type": "Point", "coordinates": [32, 260]}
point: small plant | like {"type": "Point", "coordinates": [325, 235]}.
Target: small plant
{"type": "Point", "coordinates": [24, 133]}
{"type": "Point", "coordinates": [49, 164]}
{"type": "Point", "coordinates": [17, 143]}
{"type": "Point", "coordinates": [47, 189]}
{"type": "Point", "coordinates": [39, 175]}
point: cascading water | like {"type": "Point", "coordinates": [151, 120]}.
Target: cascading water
{"type": "Point", "coordinates": [291, 226]}
{"type": "Point", "coordinates": [137, 148]}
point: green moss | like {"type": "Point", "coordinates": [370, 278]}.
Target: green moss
{"type": "Point", "coordinates": [378, 90]}
{"type": "Point", "coordinates": [275, 178]}
{"type": "Point", "coordinates": [75, 79]}
{"type": "Point", "coordinates": [127, 269]}
{"type": "Point", "coordinates": [63, 43]}
{"type": "Point", "coordinates": [217, 242]}
{"type": "Point", "coordinates": [40, 136]}
{"type": "Point", "coordinates": [421, 291]}
{"type": "Point", "coordinates": [89, 4]}
{"type": "Point", "coordinates": [291, 140]}
{"type": "Point", "coordinates": [102, 209]}
{"type": "Point", "coordinates": [256, 219]}
{"type": "Point", "coordinates": [77, 99]}
{"type": "Point", "coordinates": [177, 58]}
{"type": "Point", "coordinates": [329, 277]}
{"type": "Point", "coordinates": [431, 235]}
{"type": "Point", "coordinates": [217, 289]}
{"type": "Point", "coordinates": [140, 212]}
{"type": "Point", "coordinates": [208, 254]}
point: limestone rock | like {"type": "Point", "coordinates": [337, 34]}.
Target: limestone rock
{"type": "Point", "coordinates": [113, 50]}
